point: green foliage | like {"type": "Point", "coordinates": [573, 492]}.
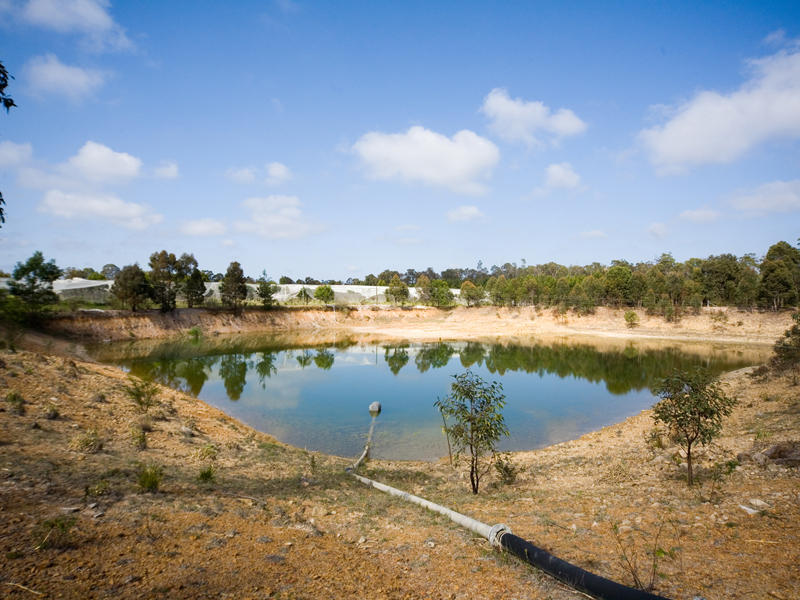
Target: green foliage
{"type": "Point", "coordinates": [206, 474]}
{"type": "Point", "coordinates": [149, 477]}
{"type": "Point", "coordinates": [324, 293]}
{"type": "Point", "coordinates": [16, 402]}
{"type": "Point", "coordinates": [397, 291]}
{"type": "Point", "coordinates": [786, 351]}
{"type": "Point", "coordinates": [87, 443]}
{"type": "Point", "coordinates": [143, 393]}
{"type": "Point", "coordinates": [32, 282]}
{"type": "Point", "coordinates": [266, 290]}
{"type": "Point", "coordinates": [631, 319]}
{"type": "Point", "coordinates": [131, 287]}
{"type": "Point", "coordinates": [476, 407]}
{"type": "Point", "coordinates": [138, 437]}
{"type": "Point", "coordinates": [506, 470]}
{"type": "Point", "coordinates": [233, 289]}
{"type": "Point", "coordinates": [692, 407]}
{"type": "Point", "coordinates": [471, 294]}
{"type": "Point", "coordinates": [303, 295]}
{"type": "Point", "coordinates": [423, 287]}
{"type": "Point", "coordinates": [440, 294]}
{"type": "Point", "coordinates": [194, 288]}
{"type": "Point", "coordinates": [50, 411]}
{"type": "Point", "coordinates": [101, 488]}
{"type": "Point", "coordinates": [54, 533]}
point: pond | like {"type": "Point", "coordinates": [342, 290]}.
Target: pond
{"type": "Point", "coordinates": [316, 396]}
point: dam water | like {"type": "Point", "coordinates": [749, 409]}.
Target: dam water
{"type": "Point", "coordinates": [315, 396]}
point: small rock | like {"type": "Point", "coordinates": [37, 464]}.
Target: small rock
{"type": "Point", "coordinates": [430, 544]}
{"type": "Point", "coordinates": [132, 579]}
{"type": "Point", "coordinates": [748, 510]}
{"type": "Point", "coordinates": [93, 505]}
{"type": "Point", "coordinates": [263, 539]}
{"type": "Point", "coordinates": [231, 533]}
{"type": "Point", "coordinates": [98, 514]}
{"type": "Point", "coordinates": [760, 459]}
{"type": "Point", "coordinates": [275, 558]}
{"type": "Point", "coordinates": [187, 431]}
{"type": "Point", "coordinates": [70, 509]}
{"type": "Point", "coordinates": [760, 504]}
{"type": "Point", "coordinates": [362, 540]}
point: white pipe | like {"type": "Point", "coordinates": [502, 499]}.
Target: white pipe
{"type": "Point", "coordinates": [490, 532]}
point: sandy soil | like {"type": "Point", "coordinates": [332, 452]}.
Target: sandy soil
{"type": "Point", "coordinates": [279, 522]}
{"type": "Point", "coordinates": [717, 324]}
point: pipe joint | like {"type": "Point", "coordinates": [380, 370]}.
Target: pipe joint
{"type": "Point", "coordinates": [497, 532]}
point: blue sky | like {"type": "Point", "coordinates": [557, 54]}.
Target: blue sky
{"type": "Point", "coordinates": [334, 139]}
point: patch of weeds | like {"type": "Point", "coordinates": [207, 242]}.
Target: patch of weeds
{"type": "Point", "coordinates": [14, 554]}
{"type": "Point", "coordinates": [506, 470]}
{"type": "Point", "coordinates": [88, 442]}
{"type": "Point", "coordinates": [138, 437]}
{"type": "Point", "coordinates": [206, 474]}
{"type": "Point", "coordinates": [208, 452]}
{"type": "Point", "coordinates": [195, 333]}
{"type": "Point", "coordinates": [769, 398]}
{"type": "Point", "coordinates": [143, 393]}
{"type": "Point", "coordinates": [101, 488]}
{"type": "Point", "coordinates": [50, 411]}
{"type": "Point", "coordinates": [763, 434]}
{"type": "Point", "coordinates": [149, 477]}
{"type": "Point", "coordinates": [629, 554]}
{"type": "Point", "coordinates": [54, 533]}
{"type": "Point", "coordinates": [655, 438]}
{"type": "Point", "coordinates": [17, 403]}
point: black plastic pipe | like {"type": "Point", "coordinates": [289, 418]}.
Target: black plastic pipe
{"type": "Point", "coordinates": [573, 576]}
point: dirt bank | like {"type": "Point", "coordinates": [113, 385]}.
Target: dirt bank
{"type": "Point", "coordinates": [722, 325]}
{"type": "Point", "coordinates": [278, 522]}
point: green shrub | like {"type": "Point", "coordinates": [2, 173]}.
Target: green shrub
{"type": "Point", "coordinates": [206, 474]}
{"type": "Point", "coordinates": [208, 452]}
{"type": "Point", "coordinates": [54, 533]}
{"type": "Point", "coordinates": [138, 438]}
{"type": "Point", "coordinates": [88, 442]}
{"type": "Point", "coordinates": [149, 477]}
{"type": "Point", "coordinates": [631, 319]}
{"type": "Point", "coordinates": [17, 403]}
{"type": "Point", "coordinates": [506, 470]}
{"type": "Point", "coordinates": [143, 393]}
{"type": "Point", "coordinates": [101, 488]}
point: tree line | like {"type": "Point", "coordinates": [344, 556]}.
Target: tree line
{"type": "Point", "coordinates": [663, 286]}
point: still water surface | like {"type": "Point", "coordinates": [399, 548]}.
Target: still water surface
{"type": "Point", "coordinates": [316, 397]}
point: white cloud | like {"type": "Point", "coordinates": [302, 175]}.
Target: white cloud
{"type": "Point", "coordinates": [700, 215]}
{"type": "Point", "coordinates": [98, 206]}
{"type": "Point", "coordinates": [402, 228]}
{"type": "Point", "coordinates": [464, 213]}
{"type": "Point", "coordinates": [241, 175]}
{"type": "Point", "coordinates": [275, 217]}
{"type": "Point", "coordinates": [719, 128]}
{"type": "Point", "coordinates": [277, 173]}
{"type": "Point", "coordinates": [99, 163]}
{"type": "Point", "coordinates": [48, 75]}
{"type": "Point", "coordinates": [204, 227]}
{"type": "Point", "coordinates": [562, 175]}
{"type": "Point", "coordinates": [776, 196]}
{"type": "Point", "coordinates": [12, 155]}
{"type": "Point", "coordinates": [86, 17]}
{"type": "Point", "coordinates": [657, 230]}
{"type": "Point", "coordinates": [168, 169]}
{"type": "Point", "coordinates": [422, 155]}
{"type": "Point", "coordinates": [518, 120]}
{"type": "Point", "coordinates": [594, 234]}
